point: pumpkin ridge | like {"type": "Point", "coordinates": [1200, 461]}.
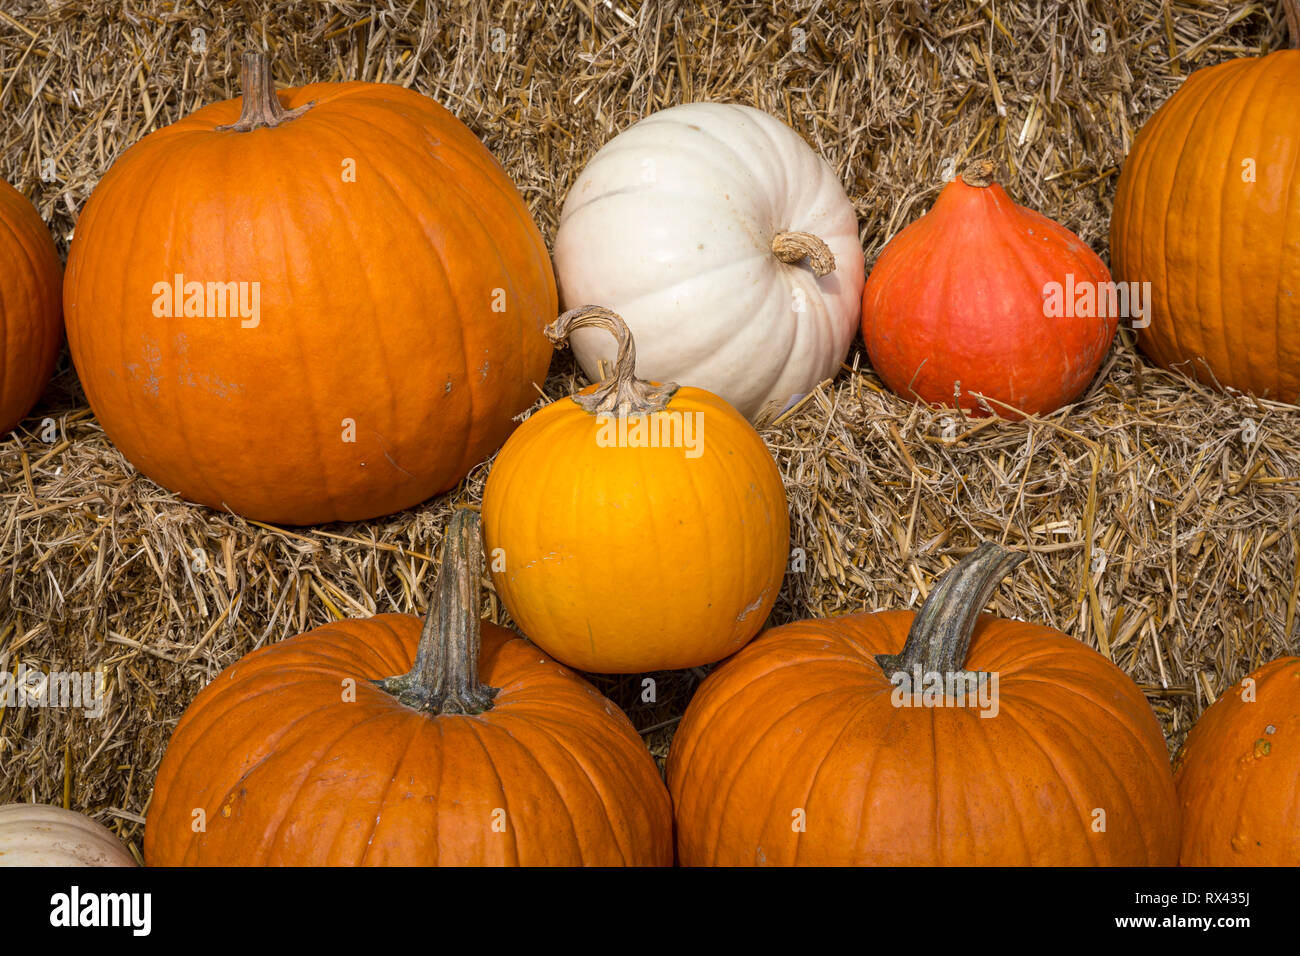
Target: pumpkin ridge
{"type": "Point", "coordinates": [1069, 785]}
{"type": "Point", "coordinates": [416, 731]}
{"type": "Point", "coordinates": [272, 848]}
{"type": "Point", "coordinates": [1191, 112]}
{"type": "Point", "coordinates": [193, 848]}
{"type": "Point", "coordinates": [1293, 393]}
{"type": "Point", "coordinates": [849, 724]}
{"type": "Point", "coordinates": [734, 769]}
{"type": "Point", "coordinates": [1243, 86]}
{"type": "Point", "coordinates": [577, 768]}
{"type": "Point", "coordinates": [491, 763]}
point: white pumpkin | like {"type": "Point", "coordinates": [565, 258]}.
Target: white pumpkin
{"type": "Point", "coordinates": [673, 225]}
{"type": "Point", "coordinates": [32, 834]}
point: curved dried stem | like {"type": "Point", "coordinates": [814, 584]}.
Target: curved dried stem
{"type": "Point", "coordinates": [622, 394]}
{"type": "Point", "coordinates": [792, 247]}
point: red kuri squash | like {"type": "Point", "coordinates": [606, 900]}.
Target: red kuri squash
{"type": "Point", "coordinates": [983, 296]}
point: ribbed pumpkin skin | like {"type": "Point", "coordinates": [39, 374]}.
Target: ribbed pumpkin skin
{"type": "Point", "coordinates": [1222, 255]}
{"type": "Point", "coordinates": [33, 834]}
{"type": "Point", "coordinates": [625, 560]}
{"type": "Point", "coordinates": [957, 297]}
{"type": "Point", "coordinates": [376, 306]}
{"type": "Point", "coordinates": [289, 774]}
{"type": "Point", "coordinates": [31, 324]}
{"type": "Point", "coordinates": [802, 719]}
{"type": "Point", "coordinates": [1239, 784]}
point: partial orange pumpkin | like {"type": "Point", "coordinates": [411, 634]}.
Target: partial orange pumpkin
{"type": "Point", "coordinates": [827, 743]}
{"type": "Point", "coordinates": [31, 326]}
{"type": "Point", "coordinates": [1207, 210]}
{"type": "Point", "coordinates": [635, 526]}
{"type": "Point", "coordinates": [1239, 774]}
{"type": "Point", "coordinates": [370, 294]}
{"type": "Point", "coordinates": [480, 751]}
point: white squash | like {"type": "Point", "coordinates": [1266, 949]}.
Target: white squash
{"type": "Point", "coordinates": [673, 225]}
{"type": "Point", "coordinates": [32, 834]}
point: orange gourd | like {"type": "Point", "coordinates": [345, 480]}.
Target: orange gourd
{"type": "Point", "coordinates": [31, 325]}
{"type": "Point", "coordinates": [319, 304]}
{"type": "Point", "coordinates": [984, 742]}
{"type": "Point", "coordinates": [307, 753]}
{"type": "Point", "coordinates": [981, 296]}
{"type": "Point", "coordinates": [635, 526]}
{"type": "Point", "coordinates": [1207, 211]}
{"type": "Point", "coordinates": [1238, 774]}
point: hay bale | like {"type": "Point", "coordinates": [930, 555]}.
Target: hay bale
{"type": "Point", "coordinates": [1157, 533]}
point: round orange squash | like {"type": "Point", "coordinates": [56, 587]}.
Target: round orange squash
{"type": "Point", "coordinates": [981, 296]}
{"type": "Point", "coordinates": [984, 742]}
{"type": "Point", "coordinates": [635, 526]}
{"type": "Point", "coordinates": [1238, 774]}
{"type": "Point", "coordinates": [31, 325]}
{"type": "Point", "coordinates": [1207, 211]}
{"type": "Point", "coordinates": [319, 304]}
{"type": "Point", "coordinates": [306, 754]}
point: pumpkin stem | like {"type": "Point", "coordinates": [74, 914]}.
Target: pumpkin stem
{"type": "Point", "coordinates": [444, 678]}
{"type": "Point", "coordinates": [940, 636]}
{"type": "Point", "coordinates": [1292, 10]}
{"type": "Point", "coordinates": [260, 105]}
{"type": "Point", "coordinates": [980, 173]}
{"type": "Point", "coordinates": [624, 394]}
{"type": "Point", "coordinates": [791, 247]}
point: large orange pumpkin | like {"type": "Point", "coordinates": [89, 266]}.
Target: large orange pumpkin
{"type": "Point", "coordinates": [306, 753]}
{"type": "Point", "coordinates": [30, 311]}
{"type": "Point", "coordinates": [1238, 774]}
{"type": "Point", "coordinates": [370, 292]}
{"type": "Point", "coordinates": [981, 295]}
{"type": "Point", "coordinates": [821, 744]}
{"type": "Point", "coordinates": [635, 526]}
{"type": "Point", "coordinates": [1207, 211]}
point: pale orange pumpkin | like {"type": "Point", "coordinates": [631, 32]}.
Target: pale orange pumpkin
{"type": "Point", "coordinates": [635, 526]}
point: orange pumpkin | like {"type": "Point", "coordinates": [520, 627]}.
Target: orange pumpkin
{"type": "Point", "coordinates": [981, 296]}
{"type": "Point", "coordinates": [1207, 211]}
{"type": "Point", "coordinates": [31, 326]}
{"type": "Point", "coordinates": [635, 526]}
{"type": "Point", "coordinates": [985, 741]}
{"type": "Point", "coordinates": [1238, 774]}
{"type": "Point", "coordinates": [305, 753]}
{"type": "Point", "coordinates": [322, 304]}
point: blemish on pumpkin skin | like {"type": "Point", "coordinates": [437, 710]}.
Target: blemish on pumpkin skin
{"type": "Point", "coordinates": [1262, 748]}
{"type": "Point", "coordinates": [751, 608]}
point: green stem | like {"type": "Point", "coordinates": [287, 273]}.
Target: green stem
{"type": "Point", "coordinates": [444, 678]}
{"type": "Point", "coordinates": [940, 635]}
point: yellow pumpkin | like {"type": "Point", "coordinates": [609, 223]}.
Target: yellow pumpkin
{"type": "Point", "coordinates": [635, 526]}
